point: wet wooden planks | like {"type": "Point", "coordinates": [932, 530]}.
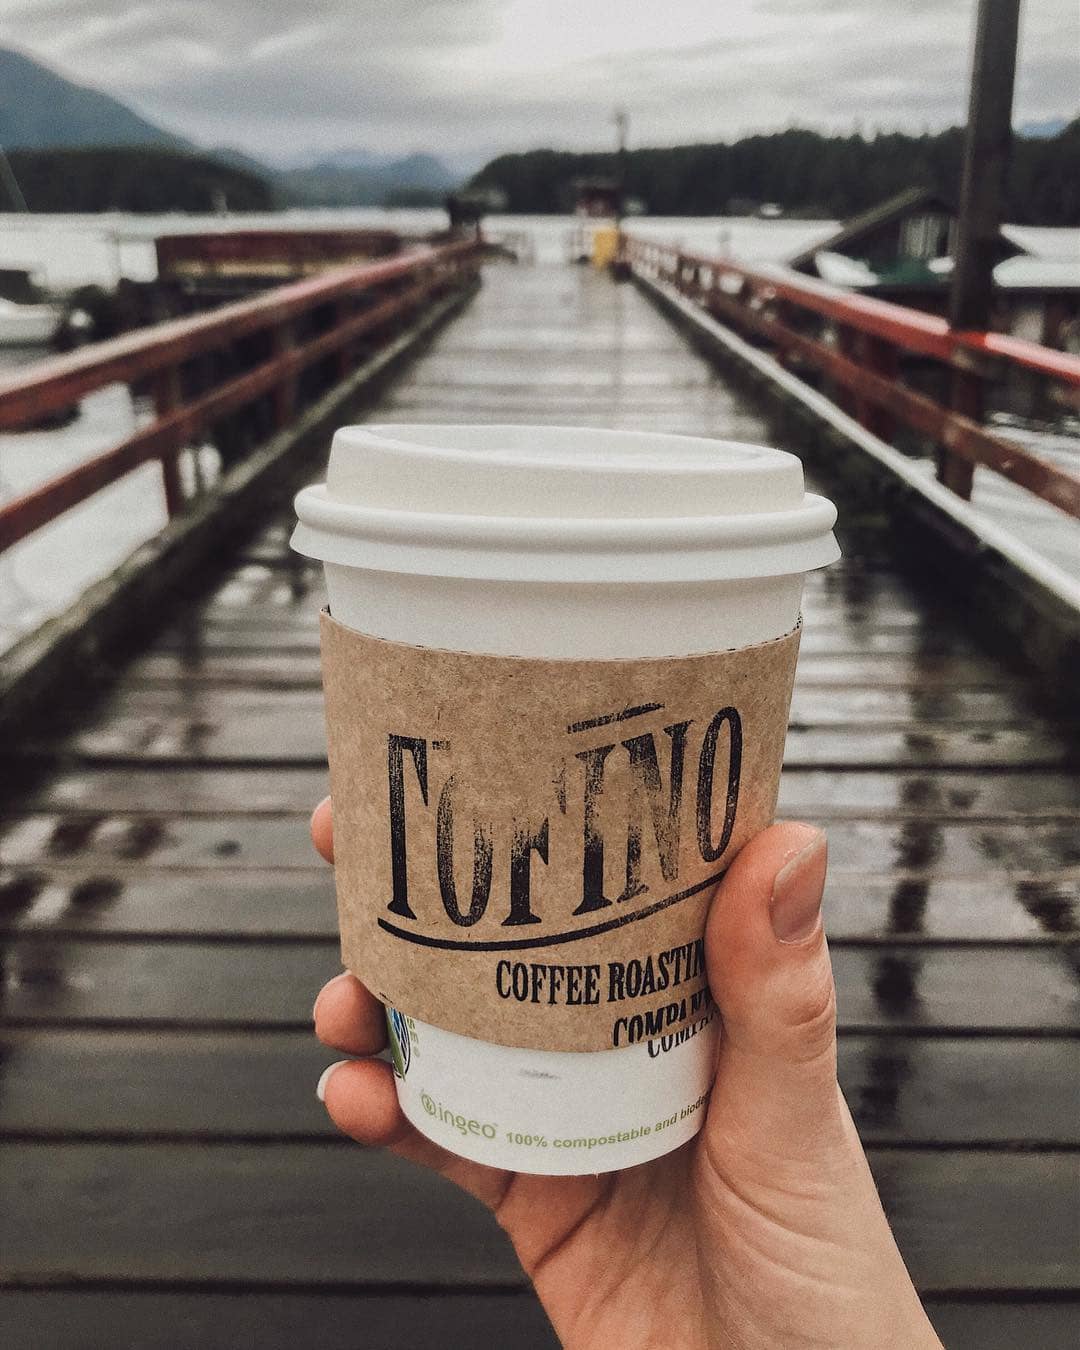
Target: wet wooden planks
{"type": "Point", "coordinates": [105, 789]}
{"type": "Point", "coordinates": [164, 928]}
{"type": "Point", "coordinates": [246, 1318]}
{"type": "Point", "coordinates": [47, 901]}
{"type": "Point", "coordinates": [283, 1321]}
{"type": "Point", "coordinates": [914, 845]}
{"type": "Point", "coordinates": [281, 1213]}
{"type": "Point", "coordinates": [982, 1092]}
{"type": "Point", "coordinates": [134, 902]}
{"type": "Point", "coordinates": [1005, 989]}
{"type": "Point", "coordinates": [835, 728]}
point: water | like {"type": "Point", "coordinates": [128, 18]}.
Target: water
{"type": "Point", "coordinates": [71, 251]}
{"type": "Point", "coordinates": [42, 575]}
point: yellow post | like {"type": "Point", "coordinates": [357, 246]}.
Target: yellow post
{"type": "Point", "coordinates": [605, 246]}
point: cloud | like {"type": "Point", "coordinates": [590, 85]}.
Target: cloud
{"type": "Point", "coordinates": [290, 77]}
{"type": "Point", "coordinates": [801, 10]}
{"type": "Point", "coordinates": [233, 31]}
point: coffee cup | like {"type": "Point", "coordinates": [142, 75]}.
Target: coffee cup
{"type": "Point", "coordinates": [558, 665]}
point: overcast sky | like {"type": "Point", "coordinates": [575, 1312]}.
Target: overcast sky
{"type": "Point", "coordinates": [465, 78]}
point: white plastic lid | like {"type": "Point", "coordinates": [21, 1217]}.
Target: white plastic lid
{"type": "Point", "coordinates": [545, 503]}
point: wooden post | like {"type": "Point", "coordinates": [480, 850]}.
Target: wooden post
{"type": "Point", "coordinates": [848, 344]}
{"type": "Point", "coordinates": [986, 159]}
{"type": "Point", "coordinates": [282, 341]}
{"type": "Point", "coordinates": [167, 397]}
{"type": "Point", "coordinates": [343, 357]}
{"type": "Point", "coordinates": [881, 358]}
{"type": "Point", "coordinates": [967, 399]}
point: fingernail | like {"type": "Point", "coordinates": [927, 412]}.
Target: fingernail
{"type": "Point", "coordinates": [796, 901]}
{"type": "Point", "coordinates": [318, 997]}
{"type": "Point", "coordinates": [324, 1078]}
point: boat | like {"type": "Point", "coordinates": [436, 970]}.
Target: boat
{"type": "Point", "coordinates": [27, 317]}
{"type": "Point", "coordinates": [32, 325]}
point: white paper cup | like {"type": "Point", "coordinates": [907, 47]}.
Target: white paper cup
{"type": "Point", "coordinates": [560, 543]}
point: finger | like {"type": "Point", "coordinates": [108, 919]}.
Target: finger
{"type": "Point", "coordinates": [322, 829]}
{"type": "Point", "coordinates": [359, 1094]}
{"type": "Point", "coordinates": [349, 1018]}
{"type": "Point", "coordinates": [770, 974]}
{"type": "Point", "coordinates": [362, 1102]}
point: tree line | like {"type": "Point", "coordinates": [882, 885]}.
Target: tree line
{"type": "Point", "coordinates": [804, 172]}
{"type": "Point", "coordinates": [136, 178]}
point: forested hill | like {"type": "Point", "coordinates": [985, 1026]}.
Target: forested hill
{"type": "Point", "coordinates": [804, 172]}
{"type": "Point", "coordinates": [146, 178]}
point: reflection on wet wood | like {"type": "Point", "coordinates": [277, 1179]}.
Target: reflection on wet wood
{"type": "Point", "coordinates": [967, 1324]}
{"type": "Point", "coordinates": [933, 1091]}
{"type": "Point", "coordinates": [275, 1321]}
{"type": "Point", "coordinates": [72, 900]}
{"type": "Point", "coordinates": [285, 1213]}
{"type": "Point", "coordinates": [282, 1321]}
{"type": "Point", "coordinates": [842, 705]}
{"type": "Point", "coordinates": [270, 737]}
{"type": "Point", "coordinates": [918, 847]}
{"type": "Point", "coordinates": [190, 669]}
{"type": "Point", "coordinates": [164, 927]}
{"type": "Point", "coordinates": [826, 795]}
{"type": "Point", "coordinates": [1015, 990]}
{"type": "Point", "coordinates": [273, 1206]}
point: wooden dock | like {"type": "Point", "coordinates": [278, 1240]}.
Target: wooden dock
{"type": "Point", "coordinates": [167, 1178]}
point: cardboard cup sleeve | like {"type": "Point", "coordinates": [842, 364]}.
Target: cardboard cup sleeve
{"type": "Point", "coordinates": [526, 849]}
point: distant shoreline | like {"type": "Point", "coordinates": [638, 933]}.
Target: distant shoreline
{"type": "Point", "coordinates": [803, 174]}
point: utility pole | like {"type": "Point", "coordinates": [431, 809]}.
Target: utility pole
{"type": "Point", "coordinates": [986, 161]}
{"type": "Point", "coordinates": [622, 127]}
{"type": "Point", "coordinates": [987, 144]}
{"type": "Point", "coordinates": [620, 269]}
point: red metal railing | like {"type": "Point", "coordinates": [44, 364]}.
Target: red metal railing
{"type": "Point", "coordinates": [290, 329]}
{"type": "Point", "coordinates": [857, 343]}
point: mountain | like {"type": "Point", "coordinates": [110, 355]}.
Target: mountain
{"type": "Point", "coordinates": [1041, 131]}
{"type": "Point", "coordinates": [420, 171]}
{"type": "Point", "coordinates": [77, 149]}
{"type": "Point", "coordinates": [347, 159]}
{"type": "Point", "coordinates": [240, 159]}
{"type": "Point", "coordinates": [415, 170]}
{"type": "Point", "coordinates": [40, 109]}
{"type": "Point", "coordinates": [360, 178]}
{"type": "Point", "coordinates": [44, 113]}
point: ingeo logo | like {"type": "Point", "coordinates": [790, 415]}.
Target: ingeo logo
{"type": "Point", "coordinates": [400, 1045]}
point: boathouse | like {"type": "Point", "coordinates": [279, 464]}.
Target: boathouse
{"type": "Point", "coordinates": [904, 248]}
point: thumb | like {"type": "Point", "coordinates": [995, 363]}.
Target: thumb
{"type": "Point", "coordinates": [770, 975]}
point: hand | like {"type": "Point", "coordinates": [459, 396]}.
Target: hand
{"type": "Point", "coordinates": [774, 1196]}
